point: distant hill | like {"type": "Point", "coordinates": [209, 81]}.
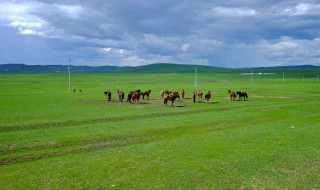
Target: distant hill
{"type": "Point", "coordinates": [174, 68]}
{"type": "Point", "coordinates": [22, 68]}
{"type": "Point", "coordinates": [290, 67]}
{"type": "Point", "coordinates": [152, 68]}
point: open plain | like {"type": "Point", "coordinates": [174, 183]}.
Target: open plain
{"type": "Point", "coordinates": [51, 138]}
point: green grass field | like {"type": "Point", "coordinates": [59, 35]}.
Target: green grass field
{"type": "Point", "coordinates": [53, 139]}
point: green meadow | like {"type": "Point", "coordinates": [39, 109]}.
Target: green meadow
{"type": "Point", "coordinates": [51, 138]}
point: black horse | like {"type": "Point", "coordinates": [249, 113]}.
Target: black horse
{"type": "Point", "coordinates": [242, 94]}
{"type": "Point", "coordinates": [130, 94]}
{"type": "Point", "coordinates": [108, 93]}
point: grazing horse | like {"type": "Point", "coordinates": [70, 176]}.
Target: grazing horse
{"type": "Point", "coordinates": [131, 92]}
{"type": "Point", "coordinates": [242, 94]}
{"type": "Point", "coordinates": [121, 95]}
{"type": "Point", "coordinates": [199, 93]}
{"type": "Point", "coordinates": [232, 95]}
{"type": "Point", "coordinates": [182, 93]}
{"type": "Point", "coordinates": [208, 96]}
{"type": "Point", "coordinates": [163, 92]}
{"type": "Point", "coordinates": [145, 93]}
{"type": "Point", "coordinates": [108, 93]}
{"type": "Point", "coordinates": [171, 97]}
{"type": "Point", "coordinates": [135, 97]}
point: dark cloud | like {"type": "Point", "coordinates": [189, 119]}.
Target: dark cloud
{"type": "Point", "coordinates": [231, 33]}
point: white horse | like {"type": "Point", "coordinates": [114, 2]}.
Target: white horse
{"type": "Point", "coordinates": [163, 92]}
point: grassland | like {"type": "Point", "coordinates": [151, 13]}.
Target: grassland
{"type": "Point", "coordinates": [53, 139]}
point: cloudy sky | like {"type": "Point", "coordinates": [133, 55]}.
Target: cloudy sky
{"type": "Point", "coordinates": [223, 33]}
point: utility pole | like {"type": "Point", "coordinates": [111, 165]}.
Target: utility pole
{"type": "Point", "coordinates": [195, 77]}
{"type": "Point", "coordinates": [69, 76]}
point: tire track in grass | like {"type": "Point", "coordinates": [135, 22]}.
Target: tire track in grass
{"type": "Point", "coordinates": [9, 128]}
{"type": "Point", "coordinates": [139, 137]}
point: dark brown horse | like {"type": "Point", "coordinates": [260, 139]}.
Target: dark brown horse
{"type": "Point", "coordinates": [232, 95]}
{"type": "Point", "coordinates": [208, 96]}
{"type": "Point", "coordinates": [242, 94]}
{"type": "Point", "coordinates": [121, 95]}
{"type": "Point", "coordinates": [130, 94]}
{"type": "Point", "coordinates": [145, 93]}
{"type": "Point", "coordinates": [108, 93]}
{"type": "Point", "coordinates": [171, 98]}
{"type": "Point", "coordinates": [135, 97]}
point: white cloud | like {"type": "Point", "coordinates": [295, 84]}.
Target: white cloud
{"type": "Point", "coordinates": [185, 47]}
{"type": "Point", "coordinates": [30, 32]}
{"type": "Point", "coordinates": [26, 24]}
{"type": "Point", "coordinates": [112, 51]}
{"type": "Point", "coordinates": [231, 12]}
{"type": "Point", "coordinates": [72, 11]}
{"type": "Point", "coordinates": [302, 9]}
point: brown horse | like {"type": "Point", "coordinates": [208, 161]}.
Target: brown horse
{"type": "Point", "coordinates": [232, 95]}
{"type": "Point", "coordinates": [208, 96]}
{"type": "Point", "coordinates": [131, 93]}
{"type": "Point", "coordinates": [145, 93]}
{"type": "Point", "coordinates": [182, 93]}
{"type": "Point", "coordinates": [121, 95]}
{"type": "Point", "coordinates": [171, 97]}
{"type": "Point", "coordinates": [108, 93]}
{"type": "Point", "coordinates": [135, 97]}
{"type": "Point", "coordinates": [199, 93]}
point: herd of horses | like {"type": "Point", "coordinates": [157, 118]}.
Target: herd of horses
{"type": "Point", "coordinates": [168, 95]}
{"type": "Point", "coordinates": [241, 94]}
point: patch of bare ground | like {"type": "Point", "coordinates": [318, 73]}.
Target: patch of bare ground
{"type": "Point", "coordinates": [86, 101]}
{"type": "Point", "coordinates": [256, 96]}
{"type": "Point", "coordinates": [284, 97]}
{"type": "Point", "coordinates": [278, 97]}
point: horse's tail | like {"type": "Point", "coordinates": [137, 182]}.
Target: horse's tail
{"type": "Point", "coordinates": [246, 95]}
